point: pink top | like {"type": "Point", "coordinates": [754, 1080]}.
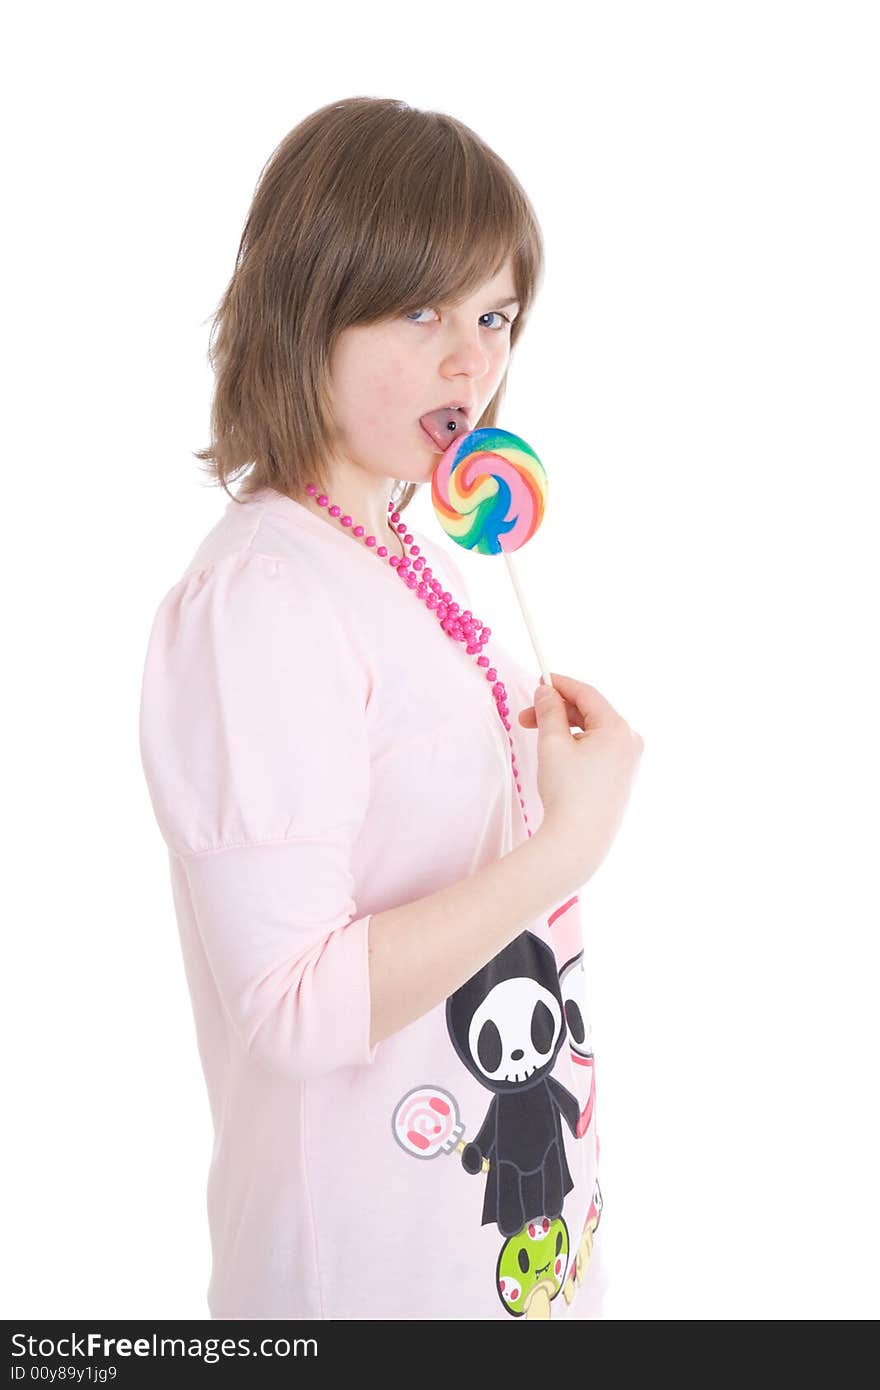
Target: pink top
{"type": "Point", "coordinates": [317, 749]}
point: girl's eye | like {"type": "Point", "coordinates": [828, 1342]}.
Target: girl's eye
{"type": "Point", "coordinates": [497, 327]}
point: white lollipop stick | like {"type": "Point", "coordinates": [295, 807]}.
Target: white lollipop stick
{"type": "Point", "coordinates": [542, 665]}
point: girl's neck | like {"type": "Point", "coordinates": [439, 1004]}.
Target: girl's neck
{"type": "Point", "coordinates": [381, 528]}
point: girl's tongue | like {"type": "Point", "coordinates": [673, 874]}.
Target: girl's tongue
{"type": "Point", "coordinates": [444, 426]}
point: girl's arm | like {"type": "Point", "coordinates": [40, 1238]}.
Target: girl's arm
{"type": "Point", "coordinates": [423, 951]}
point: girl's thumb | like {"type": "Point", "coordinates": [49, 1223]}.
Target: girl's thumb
{"type": "Point", "coordinates": [546, 702]}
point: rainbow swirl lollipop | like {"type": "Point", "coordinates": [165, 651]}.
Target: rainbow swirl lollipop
{"type": "Point", "coordinates": [489, 491]}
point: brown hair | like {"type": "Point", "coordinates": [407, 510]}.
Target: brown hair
{"type": "Point", "coordinates": [368, 208]}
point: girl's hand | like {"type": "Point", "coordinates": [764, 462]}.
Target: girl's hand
{"type": "Point", "coordinates": [584, 776]}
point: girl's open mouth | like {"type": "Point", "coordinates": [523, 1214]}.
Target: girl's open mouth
{"type": "Point", "coordinates": [443, 426]}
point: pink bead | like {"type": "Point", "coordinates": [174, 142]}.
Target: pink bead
{"type": "Point", "coordinates": [459, 626]}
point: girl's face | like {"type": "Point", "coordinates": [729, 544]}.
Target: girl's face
{"type": "Point", "coordinates": [385, 376]}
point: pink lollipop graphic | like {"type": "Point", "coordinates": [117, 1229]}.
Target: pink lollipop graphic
{"type": "Point", "coordinates": [426, 1123]}
{"type": "Point", "coordinates": [489, 492]}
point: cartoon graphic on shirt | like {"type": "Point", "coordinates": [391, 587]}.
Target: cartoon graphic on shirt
{"type": "Point", "coordinates": [507, 1025]}
{"type": "Point", "coordinates": [531, 1267]}
{"type": "Point", "coordinates": [426, 1123]}
{"type": "Point", "coordinates": [568, 946]}
{"type": "Point", "coordinates": [568, 938]}
{"type": "Point", "coordinates": [582, 1255]}
{"type": "Point", "coordinates": [573, 983]}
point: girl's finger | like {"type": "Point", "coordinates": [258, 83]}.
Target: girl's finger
{"type": "Point", "coordinates": [529, 719]}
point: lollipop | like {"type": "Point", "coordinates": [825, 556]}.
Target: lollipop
{"type": "Point", "coordinates": [489, 492]}
{"type": "Point", "coordinates": [426, 1123]}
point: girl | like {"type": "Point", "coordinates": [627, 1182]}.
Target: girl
{"type": "Point", "coordinates": [374, 866]}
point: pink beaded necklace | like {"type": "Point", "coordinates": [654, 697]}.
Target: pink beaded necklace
{"type": "Point", "coordinates": [462, 627]}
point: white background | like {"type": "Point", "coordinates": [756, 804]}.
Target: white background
{"type": "Point", "coordinates": [700, 378]}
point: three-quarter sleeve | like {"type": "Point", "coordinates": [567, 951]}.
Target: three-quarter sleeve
{"type": "Point", "coordinates": [253, 740]}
